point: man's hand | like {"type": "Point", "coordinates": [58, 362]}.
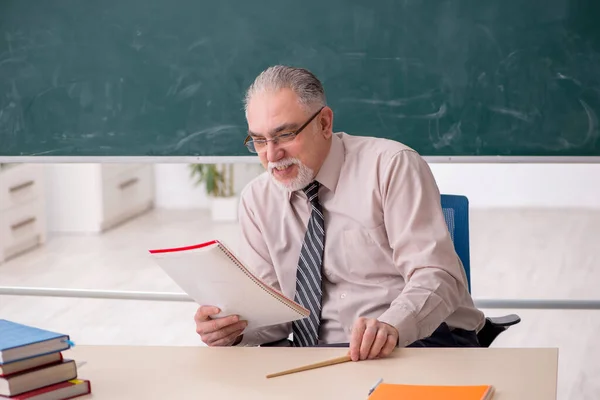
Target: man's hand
{"type": "Point", "coordinates": [220, 331]}
{"type": "Point", "coordinates": [372, 339]}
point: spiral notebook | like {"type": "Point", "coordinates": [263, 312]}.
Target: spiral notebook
{"type": "Point", "coordinates": [212, 275]}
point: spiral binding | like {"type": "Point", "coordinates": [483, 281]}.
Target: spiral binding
{"type": "Point", "coordinates": [255, 280]}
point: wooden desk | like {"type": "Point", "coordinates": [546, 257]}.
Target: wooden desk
{"type": "Point", "coordinates": [125, 372]}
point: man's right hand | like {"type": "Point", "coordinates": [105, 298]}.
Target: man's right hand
{"type": "Point", "coordinates": [223, 331]}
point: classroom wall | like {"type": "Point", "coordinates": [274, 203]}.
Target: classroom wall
{"type": "Point", "coordinates": [522, 185]}
{"type": "Point", "coordinates": [486, 185]}
{"type": "Point", "coordinates": [176, 190]}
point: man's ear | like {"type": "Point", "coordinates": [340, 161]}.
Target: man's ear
{"type": "Point", "coordinates": [326, 122]}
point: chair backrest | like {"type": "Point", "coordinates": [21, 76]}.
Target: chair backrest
{"type": "Point", "coordinates": [456, 214]}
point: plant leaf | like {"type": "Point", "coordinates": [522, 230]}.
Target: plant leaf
{"type": "Point", "coordinates": [210, 180]}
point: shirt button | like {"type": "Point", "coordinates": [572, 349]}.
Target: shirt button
{"type": "Point", "coordinates": [343, 296]}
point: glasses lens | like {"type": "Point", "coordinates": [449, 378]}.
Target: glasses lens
{"type": "Point", "coordinates": [250, 146]}
{"type": "Point", "coordinates": [281, 141]}
{"type": "Point", "coordinates": [259, 147]}
{"type": "Point", "coordinates": [286, 137]}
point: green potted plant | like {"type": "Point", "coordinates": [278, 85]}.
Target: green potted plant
{"type": "Point", "coordinates": [218, 181]}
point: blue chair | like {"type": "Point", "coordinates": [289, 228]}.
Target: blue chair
{"type": "Point", "coordinates": [456, 214]}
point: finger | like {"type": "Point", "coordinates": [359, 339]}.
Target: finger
{"type": "Point", "coordinates": [228, 330]}
{"type": "Point", "coordinates": [204, 312]}
{"type": "Point", "coordinates": [229, 339]}
{"type": "Point", "coordinates": [378, 343]}
{"type": "Point", "coordinates": [367, 340]}
{"type": "Point", "coordinates": [356, 339]}
{"type": "Point", "coordinates": [389, 346]}
{"type": "Point", "coordinates": [214, 325]}
{"type": "Point", "coordinates": [221, 333]}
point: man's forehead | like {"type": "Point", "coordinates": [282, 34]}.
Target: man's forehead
{"type": "Point", "coordinates": [268, 111]}
{"type": "Point", "coordinates": [282, 101]}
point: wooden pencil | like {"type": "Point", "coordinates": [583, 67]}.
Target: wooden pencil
{"type": "Point", "coordinates": [333, 361]}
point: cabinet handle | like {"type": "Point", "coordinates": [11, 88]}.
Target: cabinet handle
{"type": "Point", "coordinates": [21, 186]}
{"type": "Point", "coordinates": [23, 223]}
{"type": "Point", "coordinates": [127, 183]}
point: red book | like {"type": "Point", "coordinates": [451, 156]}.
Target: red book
{"type": "Point", "coordinates": [29, 363]}
{"type": "Point", "coordinates": [58, 391]}
{"type": "Point", "coordinates": [31, 379]}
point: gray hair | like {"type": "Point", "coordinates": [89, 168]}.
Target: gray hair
{"type": "Point", "coordinates": [304, 83]}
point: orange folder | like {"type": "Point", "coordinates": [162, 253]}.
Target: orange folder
{"type": "Point", "coordinates": [391, 391]}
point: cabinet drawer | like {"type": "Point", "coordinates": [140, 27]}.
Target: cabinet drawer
{"type": "Point", "coordinates": [20, 184]}
{"type": "Point", "coordinates": [126, 195]}
{"type": "Point", "coordinates": [110, 171]}
{"type": "Point", "coordinates": [21, 228]}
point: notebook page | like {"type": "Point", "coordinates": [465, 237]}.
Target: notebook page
{"type": "Point", "coordinates": [209, 277]}
{"type": "Point", "coordinates": [274, 291]}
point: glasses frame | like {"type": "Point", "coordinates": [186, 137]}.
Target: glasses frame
{"type": "Point", "coordinates": [248, 142]}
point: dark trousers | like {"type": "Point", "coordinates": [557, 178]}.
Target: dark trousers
{"type": "Point", "coordinates": [443, 336]}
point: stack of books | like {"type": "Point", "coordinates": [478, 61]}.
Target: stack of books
{"type": "Point", "coordinates": [32, 364]}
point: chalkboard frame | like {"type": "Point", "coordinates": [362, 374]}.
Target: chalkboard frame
{"type": "Point", "coordinates": [255, 160]}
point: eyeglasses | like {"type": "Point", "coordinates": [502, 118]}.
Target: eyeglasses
{"type": "Point", "coordinates": [260, 145]}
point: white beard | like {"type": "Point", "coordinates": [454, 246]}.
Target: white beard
{"type": "Point", "coordinates": [305, 175]}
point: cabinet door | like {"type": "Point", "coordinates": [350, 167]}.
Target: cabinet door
{"type": "Point", "coordinates": [21, 228]}
{"type": "Point", "coordinates": [126, 195]}
{"type": "Point", "coordinates": [20, 184]}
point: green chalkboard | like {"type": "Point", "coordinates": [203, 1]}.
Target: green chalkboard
{"type": "Point", "coordinates": [167, 77]}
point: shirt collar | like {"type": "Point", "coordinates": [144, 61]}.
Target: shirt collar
{"type": "Point", "coordinates": [329, 173]}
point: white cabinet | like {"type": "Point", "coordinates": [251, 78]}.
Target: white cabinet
{"type": "Point", "coordinates": [22, 209]}
{"type": "Point", "coordinates": [90, 198]}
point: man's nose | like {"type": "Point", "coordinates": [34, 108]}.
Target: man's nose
{"type": "Point", "coordinates": [274, 152]}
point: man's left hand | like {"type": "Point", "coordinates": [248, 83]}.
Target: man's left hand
{"type": "Point", "coordinates": [372, 339]}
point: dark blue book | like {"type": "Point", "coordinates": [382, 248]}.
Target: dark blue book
{"type": "Point", "coordinates": [19, 342]}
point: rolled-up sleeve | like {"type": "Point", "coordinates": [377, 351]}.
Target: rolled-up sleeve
{"type": "Point", "coordinates": [255, 254]}
{"type": "Point", "coordinates": [423, 251]}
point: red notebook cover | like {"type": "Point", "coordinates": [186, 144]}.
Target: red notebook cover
{"type": "Point", "coordinates": [185, 248]}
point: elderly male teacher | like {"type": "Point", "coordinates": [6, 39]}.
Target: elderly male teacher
{"type": "Point", "coordinates": [351, 227]}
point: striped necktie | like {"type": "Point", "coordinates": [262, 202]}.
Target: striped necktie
{"type": "Point", "coordinates": [308, 274]}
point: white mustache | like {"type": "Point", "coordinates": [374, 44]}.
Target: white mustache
{"type": "Point", "coordinates": [283, 163]}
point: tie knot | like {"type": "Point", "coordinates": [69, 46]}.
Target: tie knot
{"type": "Point", "coordinates": [311, 191]}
